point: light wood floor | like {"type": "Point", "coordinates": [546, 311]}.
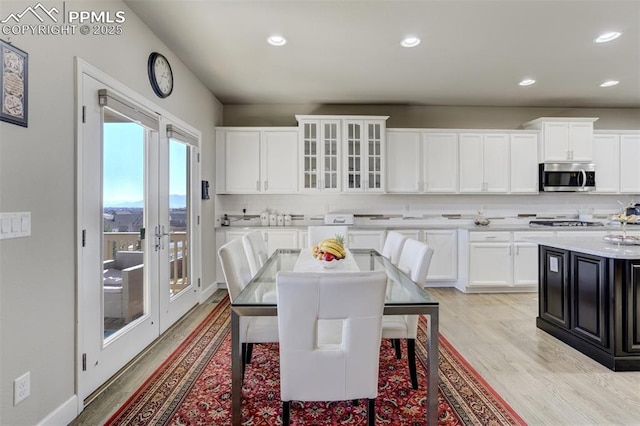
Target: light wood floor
{"type": "Point", "coordinates": [545, 381]}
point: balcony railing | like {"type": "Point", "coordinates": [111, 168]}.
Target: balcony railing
{"type": "Point", "coordinates": [178, 253]}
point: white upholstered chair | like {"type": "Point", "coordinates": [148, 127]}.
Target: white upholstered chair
{"type": "Point", "coordinates": [256, 249]}
{"type": "Point", "coordinates": [319, 233]}
{"type": "Point", "coordinates": [414, 261]}
{"type": "Point", "coordinates": [237, 274]}
{"type": "Point", "coordinates": [346, 368]}
{"type": "Point", "coordinates": [393, 246]}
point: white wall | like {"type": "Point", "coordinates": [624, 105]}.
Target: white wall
{"type": "Point", "coordinates": [37, 167]}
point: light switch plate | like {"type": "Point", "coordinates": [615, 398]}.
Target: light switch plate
{"type": "Point", "coordinates": [15, 225]}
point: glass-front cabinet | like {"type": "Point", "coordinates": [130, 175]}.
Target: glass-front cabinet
{"type": "Point", "coordinates": [342, 153]}
{"type": "Point", "coordinates": [363, 153]}
{"type": "Point", "coordinates": [320, 155]}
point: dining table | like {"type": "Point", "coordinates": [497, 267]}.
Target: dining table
{"type": "Point", "coordinates": [403, 297]}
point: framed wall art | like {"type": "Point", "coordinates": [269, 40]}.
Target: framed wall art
{"type": "Point", "coordinates": [14, 84]}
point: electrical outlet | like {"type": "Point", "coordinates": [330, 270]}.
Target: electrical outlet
{"type": "Point", "coordinates": [21, 388]}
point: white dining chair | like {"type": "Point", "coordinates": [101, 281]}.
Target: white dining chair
{"type": "Point", "coordinates": [340, 367]}
{"type": "Point", "coordinates": [319, 232]}
{"type": "Point", "coordinates": [414, 261]}
{"type": "Point", "coordinates": [393, 244]}
{"type": "Point", "coordinates": [237, 274]}
{"type": "Point", "coordinates": [256, 249]}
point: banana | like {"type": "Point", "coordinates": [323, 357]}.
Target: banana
{"type": "Point", "coordinates": [336, 253]}
{"type": "Point", "coordinates": [336, 246]}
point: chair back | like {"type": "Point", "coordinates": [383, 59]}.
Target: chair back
{"type": "Point", "coordinates": [415, 260]}
{"type": "Point", "coordinates": [393, 246]}
{"type": "Point", "coordinates": [235, 266]}
{"type": "Point", "coordinates": [127, 258]}
{"type": "Point", "coordinates": [346, 368]}
{"type": "Point", "coordinates": [319, 233]}
{"type": "Point", "coordinates": [256, 249]}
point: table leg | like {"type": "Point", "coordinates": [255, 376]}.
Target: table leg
{"type": "Point", "coordinates": [236, 371]}
{"type": "Point", "coordinates": [433, 355]}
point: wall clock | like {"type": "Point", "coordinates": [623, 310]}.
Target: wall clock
{"type": "Point", "coordinates": [160, 74]}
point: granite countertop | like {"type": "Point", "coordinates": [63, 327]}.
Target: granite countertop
{"type": "Point", "coordinates": [590, 245]}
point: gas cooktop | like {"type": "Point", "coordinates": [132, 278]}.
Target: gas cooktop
{"type": "Point", "coordinates": [563, 223]}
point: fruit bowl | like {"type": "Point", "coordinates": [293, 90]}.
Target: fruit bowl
{"type": "Point", "coordinates": [330, 264]}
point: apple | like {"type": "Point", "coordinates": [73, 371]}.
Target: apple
{"type": "Point", "coordinates": [328, 256]}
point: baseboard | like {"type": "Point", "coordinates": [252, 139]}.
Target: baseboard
{"type": "Point", "coordinates": [206, 293]}
{"type": "Point", "coordinates": [63, 415]}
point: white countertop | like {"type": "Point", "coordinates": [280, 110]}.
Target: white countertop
{"type": "Point", "coordinates": [590, 245]}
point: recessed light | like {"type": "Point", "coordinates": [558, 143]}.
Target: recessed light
{"type": "Point", "coordinates": [410, 41]}
{"type": "Point", "coordinates": [606, 37]}
{"type": "Point", "coordinates": [609, 83]}
{"type": "Point", "coordinates": [277, 40]}
{"type": "Point", "coordinates": [527, 82]}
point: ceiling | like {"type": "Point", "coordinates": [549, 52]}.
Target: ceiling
{"type": "Point", "coordinates": [473, 52]}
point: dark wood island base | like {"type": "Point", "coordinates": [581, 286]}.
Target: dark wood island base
{"type": "Point", "coordinates": [592, 303]}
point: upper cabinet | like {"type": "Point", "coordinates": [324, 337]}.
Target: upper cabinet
{"type": "Point", "coordinates": [564, 139]}
{"type": "Point", "coordinates": [254, 160]}
{"type": "Point", "coordinates": [524, 165]}
{"type": "Point", "coordinates": [484, 162]}
{"type": "Point", "coordinates": [320, 144]}
{"type": "Point", "coordinates": [617, 156]}
{"type": "Point", "coordinates": [421, 160]}
{"type": "Point", "coordinates": [342, 153]}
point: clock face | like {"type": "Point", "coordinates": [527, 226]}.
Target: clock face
{"type": "Point", "coordinates": [160, 75]}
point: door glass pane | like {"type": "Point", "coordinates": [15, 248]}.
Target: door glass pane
{"type": "Point", "coordinates": [123, 212]}
{"type": "Point", "coordinates": [178, 217]}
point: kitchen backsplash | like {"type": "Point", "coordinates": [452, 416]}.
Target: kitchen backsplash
{"type": "Point", "coordinates": [306, 207]}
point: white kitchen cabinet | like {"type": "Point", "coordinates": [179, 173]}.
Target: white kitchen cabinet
{"type": "Point", "coordinates": [364, 155]}
{"type": "Point", "coordinates": [280, 239]}
{"type": "Point", "coordinates": [606, 154]}
{"type": "Point", "coordinates": [617, 156]}
{"type": "Point", "coordinates": [484, 162]}
{"type": "Point", "coordinates": [320, 154]}
{"type": "Point", "coordinates": [523, 163]}
{"type": "Point", "coordinates": [490, 262]}
{"type": "Point", "coordinates": [257, 160]}
{"type": "Point", "coordinates": [503, 261]}
{"type": "Point", "coordinates": [444, 263]}
{"type": "Point", "coordinates": [440, 159]}
{"type": "Point", "coordinates": [629, 164]}
{"type": "Point", "coordinates": [444, 242]}
{"type": "Point", "coordinates": [564, 138]}
{"type": "Point", "coordinates": [366, 239]}
{"type": "Point", "coordinates": [404, 160]}
{"type": "Point", "coordinates": [422, 161]}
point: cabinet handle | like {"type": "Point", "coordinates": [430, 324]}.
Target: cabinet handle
{"type": "Point", "coordinates": [509, 250]}
{"type": "Point", "coordinates": [517, 250]}
{"type": "Point", "coordinates": [266, 185]}
{"type": "Point", "coordinates": [258, 185]}
{"type": "Point", "coordinates": [490, 237]}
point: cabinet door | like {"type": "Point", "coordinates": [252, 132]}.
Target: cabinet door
{"type": "Point", "coordinates": [590, 298]}
{"type": "Point", "coordinates": [279, 161]}
{"type": "Point", "coordinates": [581, 141]}
{"type": "Point", "coordinates": [320, 155]}
{"type": "Point", "coordinates": [495, 160]}
{"type": "Point", "coordinates": [353, 156]}
{"type": "Point", "coordinates": [556, 141]}
{"type": "Point", "coordinates": [629, 161]}
{"type": "Point", "coordinates": [310, 155]}
{"type": "Point", "coordinates": [444, 263]}
{"type": "Point", "coordinates": [440, 162]}
{"type": "Point", "coordinates": [330, 155]}
{"type": "Point", "coordinates": [525, 264]}
{"type": "Point", "coordinates": [606, 155]}
{"type": "Point", "coordinates": [242, 160]}
{"type": "Point", "coordinates": [554, 286]}
{"type": "Point", "coordinates": [404, 166]}
{"type": "Point", "coordinates": [471, 162]}
{"type": "Point", "coordinates": [370, 239]}
{"type": "Point", "coordinates": [281, 239]}
{"type": "Point", "coordinates": [489, 264]}
{"type": "Point", "coordinates": [524, 163]}
{"type": "Point", "coordinates": [374, 150]}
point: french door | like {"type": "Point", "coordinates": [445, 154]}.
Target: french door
{"type": "Point", "coordinates": [137, 234]}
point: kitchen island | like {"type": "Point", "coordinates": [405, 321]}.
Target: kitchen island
{"type": "Point", "coordinates": [589, 297]}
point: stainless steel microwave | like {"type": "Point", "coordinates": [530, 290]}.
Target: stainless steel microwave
{"type": "Point", "coordinates": [567, 177]}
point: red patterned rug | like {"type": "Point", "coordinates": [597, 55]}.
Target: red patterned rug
{"type": "Point", "coordinates": [193, 387]}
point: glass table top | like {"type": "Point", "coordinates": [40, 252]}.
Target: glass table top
{"type": "Point", "coordinates": [401, 291]}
